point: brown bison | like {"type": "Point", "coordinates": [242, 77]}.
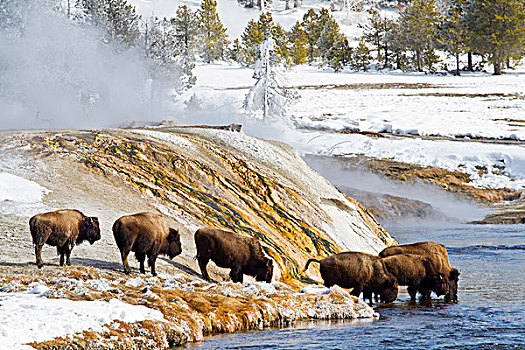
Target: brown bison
{"type": "Point", "coordinates": [244, 255]}
{"type": "Point", "coordinates": [418, 273]}
{"type": "Point", "coordinates": [145, 234]}
{"type": "Point", "coordinates": [439, 256]}
{"type": "Point", "coordinates": [361, 271]}
{"type": "Point", "coordinates": [62, 229]}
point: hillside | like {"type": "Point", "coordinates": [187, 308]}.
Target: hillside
{"type": "Point", "coordinates": [197, 177]}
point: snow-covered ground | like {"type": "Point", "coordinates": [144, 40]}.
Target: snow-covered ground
{"type": "Point", "coordinates": [475, 105]}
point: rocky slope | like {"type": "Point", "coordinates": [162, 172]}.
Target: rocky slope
{"type": "Point", "coordinates": [196, 177]}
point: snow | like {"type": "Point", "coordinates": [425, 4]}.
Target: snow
{"type": "Point", "coordinates": [474, 105]}
{"type": "Point", "coordinates": [17, 189]}
{"type": "Point", "coordinates": [315, 289]}
{"type": "Point", "coordinates": [33, 317]}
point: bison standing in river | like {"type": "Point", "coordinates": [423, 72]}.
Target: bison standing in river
{"type": "Point", "coordinates": [361, 271]}
{"type": "Point", "coordinates": [146, 234]}
{"type": "Point", "coordinates": [438, 255]}
{"type": "Point", "coordinates": [418, 273]}
{"type": "Point", "coordinates": [63, 229]}
{"type": "Point", "coordinates": [244, 255]}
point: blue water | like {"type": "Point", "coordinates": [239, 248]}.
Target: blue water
{"type": "Point", "coordinates": [490, 312]}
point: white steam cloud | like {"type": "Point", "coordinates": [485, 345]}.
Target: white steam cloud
{"type": "Point", "coordinates": [58, 74]}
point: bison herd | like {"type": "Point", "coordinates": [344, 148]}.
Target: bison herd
{"type": "Point", "coordinates": [423, 267]}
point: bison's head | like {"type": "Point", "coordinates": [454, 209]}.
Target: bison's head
{"type": "Point", "coordinates": [89, 230]}
{"type": "Point", "coordinates": [453, 278]}
{"type": "Point", "coordinates": [440, 284]}
{"type": "Point", "coordinates": [173, 245]}
{"type": "Point", "coordinates": [265, 272]}
{"type": "Point", "coordinates": [389, 290]}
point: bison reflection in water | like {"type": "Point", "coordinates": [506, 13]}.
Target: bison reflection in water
{"type": "Point", "coordinates": [437, 253]}
{"type": "Point", "coordinates": [244, 255]}
{"type": "Point", "coordinates": [63, 229]}
{"type": "Point", "coordinates": [146, 234]}
{"type": "Point", "coordinates": [361, 271]}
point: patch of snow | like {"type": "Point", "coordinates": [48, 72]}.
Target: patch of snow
{"type": "Point", "coordinates": [315, 289]}
{"type": "Point", "coordinates": [17, 189]}
{"type": "Point", "coordinates": [134, 282]}
{"type": "Point", "coordinates": [166, 136]}
{"type": "Point", "coordinates": [27, 323]}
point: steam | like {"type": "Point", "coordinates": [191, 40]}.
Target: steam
{"type": "Point", "coordinates": [446, 203]}
{"type": "Point", "coordinates": [58, 74]}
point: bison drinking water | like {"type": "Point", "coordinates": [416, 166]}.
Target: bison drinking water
{"type": "Point", "coordinates": [439, 257]}
{"type": "Point", "coordinates": [418, 273]}
{"type": "Point", "coordinates": [244, 255]}
{"type": "Point", "coordinates": [146, 234]}
{"type": "Point", "coordinates": [62, 229]}
{"type": "Point", "coordinates": [361, 271]}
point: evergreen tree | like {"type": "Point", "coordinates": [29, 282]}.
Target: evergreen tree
{"type": "Point", "coordinates": [215, 39]}
{"type": "Point", "coordinates": [361, 57]}
{"type": "Point", "coordinates": [329, 34]}
{"type": "Point", "coordinates": [299, 44]}
{"type": "Point", "coordinates": [419, 24]}
{"type": "Point", "coordinates": [116, 17]}
{"type": "Point", "coordinates": [267, 95]}
{"type": "Point", "coordinates": [256, 32]}
{"type": "Point", "coordinates": [340, 54]}
{"type": "Point", "coordinates": [186, 26]}
{"type": "Point", "coordinates": [311, 26]}
{"type": "Point", "coordinates": [378, 32]}
{"type": "Point", "coordinates": [497, 28]}
{"type": "Point", "coordinates": [453, 33]}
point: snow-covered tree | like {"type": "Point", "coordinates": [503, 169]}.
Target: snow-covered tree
{"type": "Point", "coordinates": [267, 97]}
{"type": "Point", "coordinates": [118, 18]}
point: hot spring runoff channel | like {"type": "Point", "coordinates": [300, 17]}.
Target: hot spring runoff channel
{"type": "Point", "coordinates": [490, 313]}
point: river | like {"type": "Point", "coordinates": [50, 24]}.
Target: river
{"type": "Point", "coordinates": [490, 312]}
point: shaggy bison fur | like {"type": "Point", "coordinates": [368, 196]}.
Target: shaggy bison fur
{"type": "Point", "coordinates": [244, 255]}
{"type": "Point", "coordinates": [62, 229]}
{"type": "Point", "coordinates": [145, 234]}
{"type": "Point", "coordinates": [361, 271]}
{"type": "Point", "coordinates": [418, 273]}
{"type": "Point", "coordinates": [439, 256]}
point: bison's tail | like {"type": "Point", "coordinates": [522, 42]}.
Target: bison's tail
{"type": "Point", "coordinates": [33, 228]}
{"type": "Point", "coordinates": [308, 263]}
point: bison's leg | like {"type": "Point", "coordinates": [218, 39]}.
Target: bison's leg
{"type": "Point", "coordinates": [151, 263]}
{"type": "Point", "coordinates": [236, 274]}
{"type": "Point", "coordinates": [367, 294]}
{"type": "Point", "coordinates": [124, 255]}
{"type": "Point", "coordinates": [412, 291]}
{"type": "Point", "coordinates": [141, 257]}
{"type": "Point", "coordinates": [202, 264]}
{"type": "Point", "coordinates": [356, 291]}
{"type": "Point", "coordinates": [64, 252]}
{"type": "Point", "coordinates": [38, 254]}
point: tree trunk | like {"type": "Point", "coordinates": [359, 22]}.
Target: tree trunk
{"type": "Point", "coordinates": [287, 7]}
{"type": "Point", "coordinates": [386, 55]}
{"type": "Point", "coordinates": [508, 62]}
{"type": "Point", "coordinates": [418, 58]}
{"type": "Point", "coordinates": [296, 3]}
{"type": "Point", "coordinates": [497, 67]}
{"type": "Point", "coordinates": [457, 64]}
{"type": "Point", "coordinates": [470, 66]}
{"type": "Point", "coordinates": [398, 60]}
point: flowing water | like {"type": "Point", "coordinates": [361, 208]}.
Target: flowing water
{"type": "Point", "coordinates": [490, 312]}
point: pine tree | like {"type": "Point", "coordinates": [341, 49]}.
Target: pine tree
{"type": "Point", "coordinates": [419, 23]}
{"type": "Point", "coordinates": [215, 39]}
{"type": "Point", "coordinates": [497, 28]}
{"type": "Point", "coordinates": [299, 44]}
{"type": "Point", "coordinates": [186, 26]}
{"type": "Point", "coordinates": [361, 57]}
{"type": "Point", "coordinates": [310, 25]}
{"type": "Point", "coordinates": [453, 34]}
{"type": "Point", "coordinates": [267, 95]}
{"type": "Point", "coordinates": [378, 32]}
{"type": "Point", "coordinates": [118, 18]}
{"type": "Point", "coordinates": [340, 54]}
{"type": "Point", "coordinates": [329, 34]}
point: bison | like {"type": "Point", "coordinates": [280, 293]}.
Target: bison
{"type": "Point", "coordinates": [244, 255]}
{"type": "Point", "coordinates": [418, 273]}
{"type": "Point", "coordinates": [145, 234]}
{"type": "Point", "coordinates": [361, 271]}
{"type": "Point", "coordinates": [62, 229]}
{"type": "Point", "coordinates": [437, 253]}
